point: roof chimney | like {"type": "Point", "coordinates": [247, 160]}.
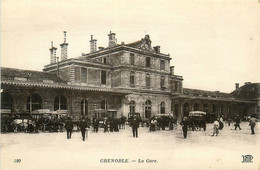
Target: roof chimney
{"type": "Point", "coordinates": [101, 48]}
{"type": "Point", "coordinates": [64, 48]}
{"type": "Point", "coordinates": [93, 44]}
{"type": "Point", "coordinates": [53, 53]}
{"type": "Point", "coordinates": [157, 49]}
{"type": "Point", "coordinates": [237, 86]}
{"type": "Point", "coordinates": [111, 39]}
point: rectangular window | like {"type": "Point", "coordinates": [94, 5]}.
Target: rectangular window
{"type": "Point", "coordinates": [132, 79]}
{"type": "Point", "coordinates": [132, 59]}
{"type": "Point", "coordinates": [162, 65]}
{"type": "Point", "coordinates": [103, 77]}
{"type": "Point", "coordinates": [83, 75]}
{"type": "Point", "coordinates": [148, 62]}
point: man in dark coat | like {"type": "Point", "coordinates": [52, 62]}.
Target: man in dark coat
{"type": "Point", "coordinates": [111, 124]}
{"type": "Point", "coordinates": [184, 124]}
{"type": "Point", "coordinates": [69, 127]}
{"type": "Point", "coordinates": [83, 125]}
{"type": "Point", "coordinates": [252, 122]}
{"type": "Point", "coordinates": [95, 124]}
{"type": "Point", "coordinates": [135, 126]}
{"type": "Point", "coordinates": [105, 125]}
{"type": "Point", "coordinates": [237, 120]}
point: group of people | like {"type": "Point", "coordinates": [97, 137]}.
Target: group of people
{"type": "Point", "coordinates": [109, 124]}
{"type": "Point", "coordinates": [83, 125]}
{"type": "Point", "coordinates": [157, 123]}
{"type": "Point", "coordinates": [219, 125]}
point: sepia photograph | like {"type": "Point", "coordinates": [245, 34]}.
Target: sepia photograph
{"type": "Point", "coordinates": [132, 84]}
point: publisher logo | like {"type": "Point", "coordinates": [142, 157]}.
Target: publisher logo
{"type": "Point", "coordinates": [247, 159]}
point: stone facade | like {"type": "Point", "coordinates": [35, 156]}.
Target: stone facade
{"type": "Point", "coordinates": [127, 78]}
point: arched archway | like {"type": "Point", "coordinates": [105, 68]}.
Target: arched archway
{"type": "Point", "coordinates": [7, 101]}
{"type": "Point", "coordinates": [162, 106]}
{"type": "Point", "coordinates": [147, 109]}
{"type": "Point", "coordinates": [214, 109]}
{"type": "Point", "coordinates": [196, 107]}
{"type": "Point", "coordinates": [186, 109]}
{"type": "Point", "coordinates": [205, 108]}
{"type": "Point", "coordinates": [60, 103]}
{"type": "Point", "coordinates": [34, 102]}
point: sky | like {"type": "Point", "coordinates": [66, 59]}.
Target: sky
{"type": "Point", "coordinates": [213, 43]}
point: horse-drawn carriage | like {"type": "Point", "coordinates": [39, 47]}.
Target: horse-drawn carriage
{"type": "Point", "coordinates": [17, 123]}
{"type": "Point", "coordinates": [197, 120]}
{"type": "Point", "coordinates": [42, 119]}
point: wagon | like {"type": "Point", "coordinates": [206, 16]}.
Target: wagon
{"type": "Point", "coordinates": [197, 120]}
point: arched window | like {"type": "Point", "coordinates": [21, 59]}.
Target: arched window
{"type": "Point", "coordinates": [60, 103]}
{"type": "Point", "coordinates": [84, 107]}
{"type": "Point", "coordinates": [132, 107]}
{"type": "Point", "coordinates": [34, 102]}
{"type": "Point", "coordinates": [6, 101]}
{"type": "Point", "coordinates": [132, 78]}
{"type": "Point", "coordinates": [162, 108]}
{"type": "Point", "coordinates": [148, 109]}
{"type": "Point", "coordinates": [147, 80]}
{"type": "Point", "coordinates": [196, 107]}
{"type": "Point", "coordinates": [104, 104]}
{"type": "Point", "coordinates": [186, 109]}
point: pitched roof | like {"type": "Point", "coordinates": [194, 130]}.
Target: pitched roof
{"type": "Point", "coordinates": [214, 94]}
{"type": "Point", "coordinates": [29, 75]}
{"type": "Point", "coordinates": [247, 91]}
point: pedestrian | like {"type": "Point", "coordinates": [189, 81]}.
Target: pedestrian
{"type": "Point", "coordinates": [83, 125]}
{"type": "Point", "coordinates": [252, 121]}
{"type": "Point", "coordinates": [237, 124]}
{"type": "Point", "coordinates": [69, 127]}
{"type": "Point", "coordinates": [95, 124]}
{"type": "Point", "coordinates": [221, 122]}
{"type": "Point", "coordinates": [37, 125]}
{"type": "Point", "coordinates": [111, 125]}
{"type": "Point", "coordinates": [216, 127]}
{"type": "Point", "coordinates": [184, 124]}
{"type": "Point", "coordinates": [152, 125]}
{"type": "Point", "coordinates": [135, 126]}
{"type": "Point", "coordinates": [105, 125]}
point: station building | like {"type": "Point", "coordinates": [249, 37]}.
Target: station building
{"type": "Point", "coordinates": [132, 77]}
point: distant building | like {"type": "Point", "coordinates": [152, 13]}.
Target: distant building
{"type": "Point", "coordinates": [134, 77]}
